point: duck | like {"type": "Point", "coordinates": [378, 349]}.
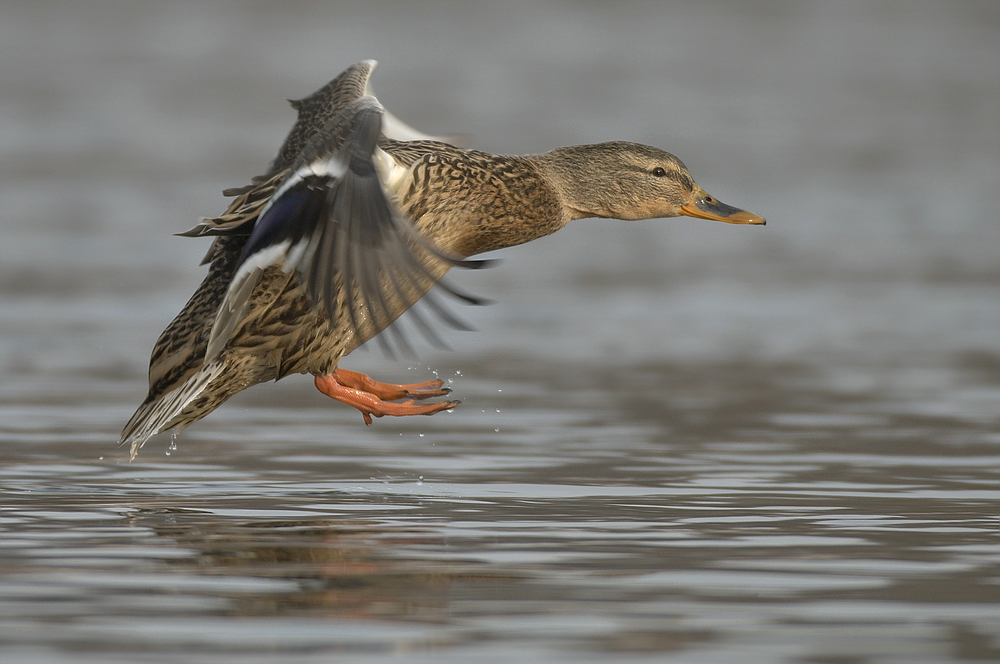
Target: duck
{"type": "Point", "coordinates": [356, 219]}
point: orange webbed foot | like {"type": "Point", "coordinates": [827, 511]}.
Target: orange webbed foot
{"type": "Point", "coordinates": [390, 391]}
{"type": "Point", "coordinates": [375, 399]}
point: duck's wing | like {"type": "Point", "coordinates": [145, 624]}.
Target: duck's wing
{"type": "Point", "coordinates": [332, 224]}
{"type": "Point", "coordinates": [314, 113]}
{"type": "Point", "coordinates": [242, 212]}
{"type": "Point", "coordinates": [316, 110]}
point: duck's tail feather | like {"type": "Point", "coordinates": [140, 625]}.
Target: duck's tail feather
{"type": "Point", "coordinates": [158, 415]}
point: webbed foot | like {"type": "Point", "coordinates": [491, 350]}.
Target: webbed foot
{"type": "Point", "coordinates": [375, 399]}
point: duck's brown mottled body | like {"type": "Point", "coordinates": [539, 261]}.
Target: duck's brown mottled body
{"type": "Point", "coordinates": [463, 201]}
{"type": "Point", "coordinates": [510, 202]}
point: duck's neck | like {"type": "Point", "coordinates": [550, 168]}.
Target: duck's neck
{"type": "Point", "coordinates": [582, 187]}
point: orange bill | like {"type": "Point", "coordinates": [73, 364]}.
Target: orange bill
{"type": "Point", "coordinates": [704, 206]}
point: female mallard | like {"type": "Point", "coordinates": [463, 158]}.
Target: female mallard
{"type": "Point", "coordinates": [357, 218]}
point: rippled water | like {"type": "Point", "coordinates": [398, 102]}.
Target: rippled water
{"type": "Point", "coordinates": [679, 440]}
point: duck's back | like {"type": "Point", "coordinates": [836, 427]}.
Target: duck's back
{"type": "Point", "coordinates": [469, 202]}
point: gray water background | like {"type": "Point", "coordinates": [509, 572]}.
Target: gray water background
{"type": "Point", "coordinates": [679, 441]}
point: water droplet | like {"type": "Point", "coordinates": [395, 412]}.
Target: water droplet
{"type": "Point", "coordinates": [458, 373]}
{"type": "Point", "coordinates": [421, 435]}
{"type": "Point", "coordinates": [499, 390]}
{"type": "Point", "coordinates": [173, 443]}
{"type": "Point", "coordinates": [101, 459]}
{"type": "Point", "coordinates": [497, 430]}
{"type": "Point", "coordinates": [498, 410]}
{"type": "Point", "coordinates": [420, 481]}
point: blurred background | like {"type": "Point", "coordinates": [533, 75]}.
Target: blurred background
{"type": "Point", "coordinates": [843, 361]}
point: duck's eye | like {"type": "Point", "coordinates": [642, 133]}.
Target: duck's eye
{"type": "Point", "coordinates": [659, 172]}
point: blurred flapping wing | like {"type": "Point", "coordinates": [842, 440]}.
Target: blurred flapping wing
{"type": "Point", "coordinates": [333, 226]}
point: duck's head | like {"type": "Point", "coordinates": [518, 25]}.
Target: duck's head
{"type": "Point", "coordinates": [630, 181]}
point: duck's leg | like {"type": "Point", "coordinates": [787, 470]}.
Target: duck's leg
{"type": "Point", "coordinates": [374, 399]}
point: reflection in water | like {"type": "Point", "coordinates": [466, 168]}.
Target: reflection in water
{"type": "Point", "coordinates": [342, 569]}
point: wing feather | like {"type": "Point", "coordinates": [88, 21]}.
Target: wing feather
{"type": "Point", "coordinates": [332, 225]}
